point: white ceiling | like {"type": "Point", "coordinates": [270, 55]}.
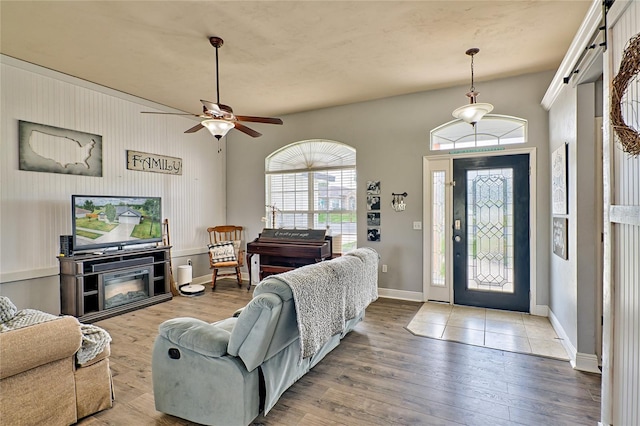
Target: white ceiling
{"type": "Point", "coordinates": [283, 57]}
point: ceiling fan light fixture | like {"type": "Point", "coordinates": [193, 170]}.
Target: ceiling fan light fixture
{"type": "Point", "coordinates": [217, 127]}
{"type": "Point", "coordinates": [473, 111]}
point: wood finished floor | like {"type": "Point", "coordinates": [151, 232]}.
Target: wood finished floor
{"type": "Point", "coordinates": [380, 374]}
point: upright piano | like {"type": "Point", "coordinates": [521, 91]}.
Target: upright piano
{"type": "Point", "coordinates": [282, 250]}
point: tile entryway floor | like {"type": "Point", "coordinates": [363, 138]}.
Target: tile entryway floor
{"type": "Point", "coordinates": [508, 331]}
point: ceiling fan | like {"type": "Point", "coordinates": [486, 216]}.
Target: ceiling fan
{"type": "Point", "coordinates": [219, 118]}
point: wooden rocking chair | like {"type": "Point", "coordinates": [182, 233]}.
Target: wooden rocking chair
{"type": "Point", "coordinates": [220, 234]}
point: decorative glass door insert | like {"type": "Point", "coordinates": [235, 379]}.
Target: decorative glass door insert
{"type": "Point", "coordinates": [490, 229]}
{"type": "Point", "coordinates": [438, 231]}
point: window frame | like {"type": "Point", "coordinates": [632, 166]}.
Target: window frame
{"type": "Point", "coordinates": [330, 157]}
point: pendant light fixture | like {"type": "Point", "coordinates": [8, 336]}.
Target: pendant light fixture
{"type": "Point", "coordinates": [217, 126]}
{"type": "Point", "coordinates": [474, 111]}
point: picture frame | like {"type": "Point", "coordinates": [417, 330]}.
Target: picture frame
{"type": "Point", "coordinates": [373, 202]}
{"type": "Point", "coordinates": [373, 234]}
{"type": "Point", "coordinates": [559, 238]}
{"type": "Point", "coordinates": [373, 187]}
{"type": "Point", "coordinates": [559, 180]}
{"type": "Point", "coordinates": [373, 219]}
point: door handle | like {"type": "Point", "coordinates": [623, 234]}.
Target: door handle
{"type": "Point", "coordinates": [457, 238]}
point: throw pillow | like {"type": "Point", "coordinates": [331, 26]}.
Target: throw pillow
{"type": "Point", "coordinates": [222, 252]}
{"type": "Point", "coordinates": [236, 247]}
{"type": "Point", "coordinates": [7, 309]}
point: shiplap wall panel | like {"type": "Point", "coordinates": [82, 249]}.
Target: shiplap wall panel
{"type": "Point", "coordinates": [35, 207]}
{"type": "Point", "coordinates": [626, 256]}
{"type": "Point", "coordinates": [627, 189]}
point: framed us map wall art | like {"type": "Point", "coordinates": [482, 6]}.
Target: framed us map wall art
{"type": "Point", "coordinates": [51, 149]}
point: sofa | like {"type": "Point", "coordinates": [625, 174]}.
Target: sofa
{"type": "Point", "coordinates": [53, 370]}
{"type": "Point", "coordinates": [230, 371]}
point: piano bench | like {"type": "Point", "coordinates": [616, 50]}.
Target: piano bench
{"type": "Point", "coordinates": [266, 270]}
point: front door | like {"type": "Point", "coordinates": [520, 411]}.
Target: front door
{"type": "Point", "coordinates": [491, 232]}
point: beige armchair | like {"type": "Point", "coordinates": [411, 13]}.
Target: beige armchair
{"type": "Point", "coordinates": [41, 382]}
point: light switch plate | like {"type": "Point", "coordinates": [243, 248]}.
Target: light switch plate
{"type": "Point", "coordinates": [417, 225]}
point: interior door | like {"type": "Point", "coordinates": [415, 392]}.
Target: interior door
{"type": "Point", "coordinates": [491, 232]}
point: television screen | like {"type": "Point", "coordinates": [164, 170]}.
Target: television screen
{"type": "Point", "coordinates": [101, 221]}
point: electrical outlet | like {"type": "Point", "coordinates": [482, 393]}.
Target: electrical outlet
{"type": "Point", "coordinates": [189, 262]}
{"type": "Point", "coordinates": [417, 225]}
{"type": "Point", "coordinates": [384, 268]}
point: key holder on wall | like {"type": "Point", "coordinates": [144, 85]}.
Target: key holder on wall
{"type": "Point", "coordinates": [397, 202]}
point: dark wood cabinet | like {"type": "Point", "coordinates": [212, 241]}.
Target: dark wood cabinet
{"type": "Point", "coordinates": [98, 286]}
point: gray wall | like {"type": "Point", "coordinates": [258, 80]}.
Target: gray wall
{"type": "Point", "coordinates": [391, 137]}
{"type": "Point", "coordinates": [587, 216]}
{"type": "Point", "coordinates": [564, 298]}
{"type": "Point", "coordinates": [574, 282]}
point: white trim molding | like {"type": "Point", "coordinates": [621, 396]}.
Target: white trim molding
{"type": "Point", "coordinates": [586, 362]}
{"type": "Point", "coordinates": [31, 274]}
{"type": "Point", "coordinates": [389, 293]}
{"type": "Point", "coordinates": [540, 310]}
{"type": "Point", "coordinates": [579, 361]}
{"type": "Point", "coordinates": [628, 215]}
{"type": "Point", "coordinates": [590, 25]}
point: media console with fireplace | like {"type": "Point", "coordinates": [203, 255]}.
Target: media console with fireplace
{"type": "Point", "coordinates": [98, 286]}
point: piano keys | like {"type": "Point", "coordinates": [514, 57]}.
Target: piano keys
{"type": "Point", "coordinates": [282, 250]}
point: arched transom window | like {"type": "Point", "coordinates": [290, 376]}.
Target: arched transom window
{"type": "Point", "coordinates": [312, 185]}
{"type": "Point", "coordinates": [492, 130]}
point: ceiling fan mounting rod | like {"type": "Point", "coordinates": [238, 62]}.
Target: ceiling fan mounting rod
{"type": "Point", "coordinates": [217, 42]}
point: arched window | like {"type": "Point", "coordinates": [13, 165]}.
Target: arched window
{"type": "Point", "coordinates": [312, 185]}
{"type": "Point", "coordinates": [492, 130]}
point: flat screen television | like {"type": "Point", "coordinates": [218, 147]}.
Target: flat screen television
{"type": "Point", "coordinates": [102, 221]}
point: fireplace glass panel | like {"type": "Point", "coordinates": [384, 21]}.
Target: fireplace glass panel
{"type": "Point", "coordinates": [124, 287]}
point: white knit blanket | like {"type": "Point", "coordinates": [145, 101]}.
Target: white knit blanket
{"type": "Point", "coordinates": [25, 318]}
{"type": "Point", "coordinates": [369, 283]}
{"type": "Point", "coordinates": [327, 295]}
{"type": "Point", "coordinates": [94, 340]}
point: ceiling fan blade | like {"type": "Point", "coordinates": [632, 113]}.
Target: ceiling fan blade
{"type": "Point", "coordinates": [168, 113]}
{"type": "Point", "coordinates": [194, 128]}
{"type": "Point", "coordinates": [247, 130]}
{"type": "Point", "coordinates": [211, 106]}
{"type": "Point", "coordinates": [266, 120]}
{"type": "Point", "coordinates": [215, 108]}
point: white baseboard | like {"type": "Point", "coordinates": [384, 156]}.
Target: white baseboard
{"type": "Point", "coordinates": [579, 361]}
{"type": "Point", "coordinates": [586, 362]}
{"type": "Point", "coordinates": [540, 310]}
{"type": "Point", "coordinates": [390, 293]}
{"type": "Point", "coordinates": [202, 280]}
{"type": "Point", "coordinates": [564, 338]}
